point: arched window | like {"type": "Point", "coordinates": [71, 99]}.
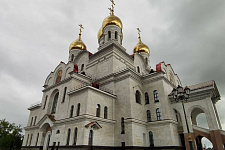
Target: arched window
{"type": "Point", "coordinates": [146, 60]}
{"type": "Point", "coordinates": [68, 137]}
{"type": "Point", "coordinates": [98, 110]}
{"type": "Point", "coordinates": [31, 121]}
{"type": "Point", "coordinates": [122, 126]}
{"type": "Point", "coordinates": [90, 140]}
{"type": "Point", "coordinates": [116, 34]}
{"type": "Point", "coordinates": [64, 94]}
{"type": "Point", "coordinates": [176, 114]}
{"type": "Point", "coordinates": [55, 103]}
{"type": "Point", "coordinates": [149, 116]}
{"type": "Point", "coordinates": [45, 101]}
{"type": "Point", "coordinates": [82, 67]}
{"type": "Point", "coordinates": [72, 57]}
{"type": "Point", "coordinates": [105, 112]}
{"type": "Point", "coordinates": [158, 114]}
{"type": "Point", "coordinates": [30, 139]}
{"type": "Point", "coordinates": [109, 34]}
{"type": "Point", "coordinates": [138, 97]}
{"type": "Point", "coordinates": [78, 109]}
{"type": "Point", "coordinates": [37, 139]}
{"type": "Point", "coordinates": [71, 111]}
{"type": "Point", "coordinates": [27, 139]}
{"type": "Point", "coordinates": [138, 69]}
{"type": "Point", "coordinates": [35, 118]}
{"type": "Point", "coordinates": [49, 137]}
{"type": "Point", "coordinates": [59, 75]}
{"type": "Point", "coordinates": [151, 140]}
{"type": "Point", "coordinates": [156, 96]}
{"type": "Point", "coordinates": [75, 136]}
{"type": "Point", "coordinates": [146, 98]}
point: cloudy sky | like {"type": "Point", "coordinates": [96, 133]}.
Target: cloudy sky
{"type": "Point", "coordinates": [35, 36]}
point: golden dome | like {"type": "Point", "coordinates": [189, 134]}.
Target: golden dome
{"type": "Point", "coordinates": [78, 44]}
{"type": "Point", "coordinates": [100, 33]}
{"type": "Point", "coordinates": [141, 47]}
{"type": "Point", "coordinates": [112, 19]}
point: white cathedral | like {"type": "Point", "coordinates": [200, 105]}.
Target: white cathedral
{"type": "Point", "coordinates": [114, 100]}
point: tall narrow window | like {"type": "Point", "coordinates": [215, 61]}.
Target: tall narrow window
{"type": "Point", "coordinates": [35, 118]}
{"type": "Point", "coordinates": [49, 137]}
{"type": "Point", "coordinates": [90, 141]}
{"type": "Point", "coordinates": [151, 141]}
{"type": "Point", "coordinates": [146, 98]}
{"type": "Point", "coordinates": [78, 109]}
{"type": "Point", "coordinates": [82, 67]}
{"type": "Point", "coordinates": [64, 94]}
{"type": "Point", "coordinates": [149, 116]}
{"type": "Point", "coordinates": [138, 97]}
{"type": "Point", "coordinates": [146, 60]}
{"type": "Point", "coordinates": [122, 126]}
{"type": "Point", "coordinates": [176, 115]}
{"type": "Point", "coordinates": [72, 57]}
{"type": "Point", "coordinates": [55, 103]}
{"type": "Point", "coordinates": [138, 69]}
{"type": "Point", "coordinates": [45, 101]}
{"type": "Point", "coordinates": [68, 137]}
{"type": "Point", "coordinates": [37, 139]}
{"type": "Point", "coordinates": [109, 34]}
{"type": "Point", "coordinates": [71, 111]}
{"type": "Point", "coordinates": [31, 121]}
{"type": "Point", "coordinates": [116, 34]}
{"type": "Point", "coordinates": [156, 96]}
{"type": "Point", "coordinates": [98, 110]}
{"type": "Point", "coordinates": [30, 139]}
{"type": "Point", "coordinates": [158, 114]}
{"type": "Point", "coordinates": [105, 112]}
{"type": "Point", "coordinates": [27, 140]}
{"type": "Point", "coordinates": [75, 136]}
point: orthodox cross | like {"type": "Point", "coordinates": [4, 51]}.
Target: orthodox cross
{"type": "Point", "coordinates": [139, 35]}
{"type": "Point", "coordinates": [112, 9]}
{"type": "Point", "coordinates": [81, 27]}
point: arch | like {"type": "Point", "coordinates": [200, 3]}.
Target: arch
{"type": "Point", "coordinates": [75, 136]}
{"type": "Point", "coordinates": [55, 101]}
{"type": "Point", "coordinates": [64, 94]}
{"type": "Point", "coordinates": [109, 35]}
{"type": "Point", "coordinates": [156, 96]}
{"type": "Point", "coordinates": [149, 119]}
{"type": "Point", "coordinates": [105, 112]}
{"type": "Point", "coordinates": [151, 140]}
{"type": "Point", "coordinates": [71, 111]}
{"type": "Point", "coordinates": [138, 69]}
{"type": "Point", "coordinates": [72, 57]}
{"type": "Point", "coordinates": [46, 98]}
{"type": "Point", "coordinates": [90, 139]}
{"type": "Point", "coordinates": [158, 114]}
{"type": "Point", "coordinates": [122, 126]}
{"type": "Point", "coordinates": [98, 110]}
{"type": "Point", "coordinates": [78, 109]}
{"type": "Point", "coordinates": [138, 97]}
{"type": "Point", "coordinates": [116, 35]}
{"type": "Point", "coordinates": [47, 140]}
{"type": "Point", "coordinates": [68, 137]}
{"type": "Point", "coordinates": [82, 67]}
{"type": "Point", "coordinates": [146, 98]}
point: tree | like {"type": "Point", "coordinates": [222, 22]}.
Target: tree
{"type": "Point", "coordinates": [10, 135]}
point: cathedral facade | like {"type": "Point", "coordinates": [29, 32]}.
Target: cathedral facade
{"type": "Point", "coordinates": [111, 99]}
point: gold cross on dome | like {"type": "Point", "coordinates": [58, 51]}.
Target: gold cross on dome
{"type": "Point", "coordinates": [81, 27]}
{"type": "Point", "coordinates": [139, 34]}
{"type": "Point", "coordinates": [112, 9]}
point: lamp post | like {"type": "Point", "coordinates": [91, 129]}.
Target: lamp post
{"type": "Point", "coordinates": [182, 94]}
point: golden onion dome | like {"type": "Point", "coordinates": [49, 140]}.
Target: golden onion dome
{"type": "Point", "coordinates": [112, 20]}
{"type": "Point", "coordinates": [78, 44]}
{"type": "Point", "coordinates": [141, 47]}
{"type": "Point", "coordinates": [100, 33]}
